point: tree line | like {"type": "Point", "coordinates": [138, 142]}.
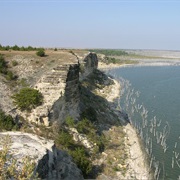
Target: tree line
{"type": "Point", "coordinates": [17, 48]}
{"type": "Point", "coordinates": [110, 52]}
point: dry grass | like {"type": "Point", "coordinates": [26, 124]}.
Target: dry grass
{"type": "Point", "coordinates": [9, 166]}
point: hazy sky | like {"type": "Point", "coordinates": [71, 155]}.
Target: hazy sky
{"type": "Point", "coordinates": [124, 24]}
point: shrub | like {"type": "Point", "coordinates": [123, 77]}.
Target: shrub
{"type": "Point", "coordinates": [55, 49]}
{"type": "Point", "coordinates": [85, 126]}
{"type": "Point", "coordinates": [3, 65]}
{"type": "Point", "coordinates": [64, 139]}
{"type": "Point", "coordinates": [69, 121]}
{"type": "Point", "coordinates": [14, 63]}
{"type": "Point", "coordinates": [10, 76]}
{"type": "Point", "coordinates": [81, 160]}
{"type": "Point", "coordinates": [6, 121]}
{"type": "Point", "coordinates": [28, 98]}
{"type": "Point", "coordinates": [40, 53]}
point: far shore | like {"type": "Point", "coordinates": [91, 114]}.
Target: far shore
{"type": "Point", "coordinates": [155, 62]}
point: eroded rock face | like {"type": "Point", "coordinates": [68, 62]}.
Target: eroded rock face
{"type": "Point", "coordinates": [68, 103]}
{"type": "Point", "coordinates": [61, 91]}
{"type": "Point", "coordinates": [51, 163]}
{"type": "Point", "coordinates": [88, 64]}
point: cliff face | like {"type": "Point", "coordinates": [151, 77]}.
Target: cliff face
{"type": "Point", "coordinates": [88, 64]}
{"type": "Point", "coordinates": [61, 91]}
{"type": "Point", "coordinates": [68, 102]}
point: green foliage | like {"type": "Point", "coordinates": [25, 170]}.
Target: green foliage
{"type": "Point", "coordinates": [4, 69]}
{"type": "Point", "coordinates": [9, 166]}
{"type": "Point", "coordinates": [17, 48]}
{"type": "Point", "coordinates": [55, 49]}
{"type": "Point", "coordinates": [3, 65]}
{"type": "Point", "coordinates": [110, 52]}
{"type": "Point", "coordinates": [14, 63]}
{"type": "Point", "coordinates": [10, 75]}
{"type": "Point", "coordinates": [69, 121]}
{"type": "Point", "coordinates": [85, 126]}
{"type": "Point", "coordinates": [6, 122]}
{"type": "Point", "coordinates": [40, 53]}
{"type": "Point", "coordinates": [28, 98]}
{"type": "Point", "coordinates": [64, 139]}
{"type": "Point", "coordinates": [82, 161]}
{"type": "Point", "coordinates": [111, 60]}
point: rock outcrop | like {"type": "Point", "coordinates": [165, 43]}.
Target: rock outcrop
{"type": "Point", "coordinates": [88, 64]}
{"type": "Point", "coordinates": [61, 91]}
{"type": "Point", "coordinates": [51, 163]}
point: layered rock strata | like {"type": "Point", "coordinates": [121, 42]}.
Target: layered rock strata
{"type": "Point", "coordinates": [61, 91]}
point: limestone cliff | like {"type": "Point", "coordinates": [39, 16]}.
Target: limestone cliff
{"type": "Point", "coordinates": [51, 163]}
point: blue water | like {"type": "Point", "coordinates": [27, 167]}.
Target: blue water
{"type": "Point", "coordinates": [159, 93]}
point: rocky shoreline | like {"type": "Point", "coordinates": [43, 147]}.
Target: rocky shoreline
{"type": "Point", "coordinates": [137, 164]}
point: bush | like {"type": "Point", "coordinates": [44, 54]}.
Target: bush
{"type": "Point", "coordinates": [64, 139]}
{"type": "Point", "coordinates": [69, 121]}
{"type": "Point", "coordinates": [40, 53]}
{"type": "Point", "coordinates": [85, 126]}
{"type": "Point", "coordinates": [28, 98]}
{"type": "Point", "coordinates": [3, 65]}
{"type": "Point", "coordinates": [14, 63]}
{"type": "Point", "coordinates": [55, 49]}
{"type": "Point", "coordinates": [6, 121]}
{"type": "Point", "coordinates": [81, 160]}
{"type": "Point", "coordinates": [10, 76]}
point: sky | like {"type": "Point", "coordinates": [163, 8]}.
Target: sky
{"type": "Point", "coordinates": [116, 24]}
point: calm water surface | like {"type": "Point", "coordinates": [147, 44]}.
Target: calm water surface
{"type": "Point", "coordinates": [159, 93]}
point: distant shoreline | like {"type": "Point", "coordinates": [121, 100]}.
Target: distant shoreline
{"type": "Point", "coordinates": [104, 66]}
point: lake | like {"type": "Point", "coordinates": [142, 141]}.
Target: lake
{"type": "Point", "coordinates": [151, 98]}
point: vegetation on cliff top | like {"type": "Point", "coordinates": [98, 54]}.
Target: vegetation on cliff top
{"type": "Point", "coordinates": [110, 52]}
{"type": "Point", "coordinates": [4, 69]}
{"type": "Point", "coordinates": [40, 53]}
{"type": "Point", "coordinates": [17, 48]}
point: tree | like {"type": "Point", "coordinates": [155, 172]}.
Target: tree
{"type": "Point", "coordinates": [28, 98]}
{"type": "Point", "coordinates": [15, 48]}
{"type": "Point", "coordinates": [40, 53]}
